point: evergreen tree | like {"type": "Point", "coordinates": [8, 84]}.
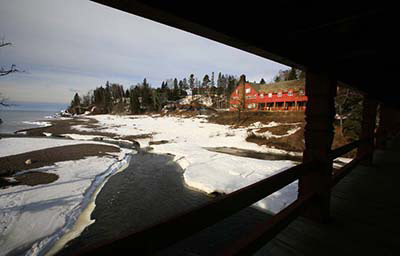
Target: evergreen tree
{"type": "Point", "coordinates": [219, 80]}
{"type": "Point", "coordinates": [175, 91]}
{"type": "Point", "coordinates": [191, 81]}
{"type": "Point", "coordinates": [206, 82]}
{"type": "Point", "coordinates": [108, 104]}
{"type": "Point", "coordinates": [146, 95]}
{"type": "Point", "coordinates": [262, 81]}
{"type": "Point", "coordinates": [76, 101]}
{"type": "Point", "coordinates": [134, 100]}
{"type": "Point", "coordinates": [292, 74]}
{"type": "Point", "coordinates": [185, 84]}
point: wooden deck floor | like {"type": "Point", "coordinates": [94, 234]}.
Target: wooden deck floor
{"type": "Point", "coordinates": [365, 215]}
{"type": "Point", "coordinates": [365, 219]}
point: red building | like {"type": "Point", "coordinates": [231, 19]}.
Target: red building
{"type": "Point", "coordinates": [286, 95]}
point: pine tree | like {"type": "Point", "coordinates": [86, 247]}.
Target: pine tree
{"type": "Point", "coordinates": [206, 81]}
{"type": "Point", "coordinates": [191, 81]}
{"type": "Point", "coordinates": [262, 81]}
{"type": "Point", "coordinates": [77, 100]}
{"type": "Point", "coordinates": [134, 100]}
{"type": "Point", "coordinates": [219, 80]}
{"type": "Point", "coordinates": [175, 91]}
{"type": "Point", "coordinates": [292, 74]}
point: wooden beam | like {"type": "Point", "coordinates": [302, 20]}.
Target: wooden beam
{"type": "Point", "coordinates": [368, 130]}
{"type": "Point", "coordinates": [318, 136]}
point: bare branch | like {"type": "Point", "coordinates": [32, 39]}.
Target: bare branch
{"type": "Point", "coordinates": [2, 44]}
{"type": "Point", "coordinates": [3, 101]}
{"type": "Point", "coordinates": [11, 70]}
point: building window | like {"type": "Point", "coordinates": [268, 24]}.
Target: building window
{"type": "Point", "coordinates": [301, 92]}
{"type": "Point", "coordinates": [253, 105]}
{"type": "Point", "coordinates": [248, 90]}
{"type": "Point", "coordinates": [279, 94]}
{"type": "Point", "coordinates": [270, 95]}
{"type": "Point", "coordinates": [261, 95]}
{"type": "Point", "coordinates": [290, 93]}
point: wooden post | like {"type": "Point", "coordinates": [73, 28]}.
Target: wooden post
{"type": "Point", "coordinates": [368, 129]}
{"type": "Point", "coordinates": [382, 132]}
{"type": "Point", "coordinates": [318, 135]}
{"type": "Point", "coordinates": [388, 117]}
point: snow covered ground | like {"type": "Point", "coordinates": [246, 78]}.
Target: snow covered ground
{"type": "Point", "coordinates": [204, 170]}
{"type": "Point", "coordinates": [32, 219]}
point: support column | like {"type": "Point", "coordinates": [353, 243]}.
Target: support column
{"type": "Point", "coordinates": [368, 129]}
{"type": "Point", "coordinates": [382, 132]}
{"type": "Point", "coordinates": [318, 135]}
{"type": "Point", "coordinates": [387, 125]}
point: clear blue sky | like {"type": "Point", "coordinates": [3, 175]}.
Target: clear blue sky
{"type": "Point", "coordinates": [75, 45]}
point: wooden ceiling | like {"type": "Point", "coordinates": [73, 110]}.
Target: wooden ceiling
{"type": "Point", "coordinates": [353, 43]}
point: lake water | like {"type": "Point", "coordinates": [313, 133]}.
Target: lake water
{"type": "Point", "coordinates": [22, 115]}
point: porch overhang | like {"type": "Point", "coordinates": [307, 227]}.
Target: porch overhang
{"type": "Point", "coordinates": [351, 42]}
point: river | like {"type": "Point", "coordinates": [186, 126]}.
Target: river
{"type": "Point", "coordinates": [150, 190]}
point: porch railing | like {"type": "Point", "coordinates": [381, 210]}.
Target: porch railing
{"type": "Point", "coordinates": [166, 233]}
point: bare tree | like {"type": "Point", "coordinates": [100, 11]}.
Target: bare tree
{"type": "Point", "coordinates": [241, 97]}
{"type": "Point", "coordinates": [3, 101]}
{"type": "Point", "coordinates": [4, 72]}
{"type": "Point", "coordinates": [13, 68]}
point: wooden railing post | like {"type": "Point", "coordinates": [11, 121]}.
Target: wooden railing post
{"type": "Point", "coordinates": [318, 135]}
{"type": "Point", "coordinates": [388, 125]}
{"type": "Point", "coordinates": [367, 130]}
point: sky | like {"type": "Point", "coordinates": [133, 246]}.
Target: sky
{"type": "Point", "coordinates": [68, 46]}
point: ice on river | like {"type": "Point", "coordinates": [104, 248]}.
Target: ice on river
{"type": "Point", "coordinates": [33, 218]}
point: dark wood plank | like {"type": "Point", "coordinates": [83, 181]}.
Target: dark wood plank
{"type": "Point", "coordinates": [365, 216]}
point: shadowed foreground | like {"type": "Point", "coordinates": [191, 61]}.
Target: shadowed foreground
{"type": "Point", "coordinates": [365, 209]}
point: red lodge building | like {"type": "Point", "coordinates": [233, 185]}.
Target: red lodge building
{"type": "Point", "coordinates": [281, 96]}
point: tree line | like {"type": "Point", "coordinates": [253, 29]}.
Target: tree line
{"type": "Point", "coordinates": [142, 97]}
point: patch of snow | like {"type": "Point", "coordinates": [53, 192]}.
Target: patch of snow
{"type": "Point", "coordinates": [216, 172]}
{"type": "Point", "coordinates": [205, 170]}
{"type": "Point", "coordinates": [268, 134]}
{"type": "Point", "coordinates": [80, 136]}
{"type": "Point", "coordinates": [38, 123]}
{"type": "Point", "coordinates": [47, 134]}
{"type": "Point", "coordinates": [261, 125]}
{"type": "Point", "coordinates": [38, 216]}
{"type": "Point", "coordinates": [272, 124]}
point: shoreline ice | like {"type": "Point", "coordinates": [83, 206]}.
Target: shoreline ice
{"type": "Point", "coordinates": [34, 218]}
{"type": "Point", "coordinates": [204, 170]}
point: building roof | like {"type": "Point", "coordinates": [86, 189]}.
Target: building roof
{"type": "Point", "coordinates": [351, 42]}
{"type": "Point", "coordinates": [283, 86]}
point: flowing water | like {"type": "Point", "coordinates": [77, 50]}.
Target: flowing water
{"type": "Point", "coordinates": [150, 190]}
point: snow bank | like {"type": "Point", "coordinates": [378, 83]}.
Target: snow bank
{"type": "Point", "coordinates": [179, 130]}
{"type": "Point", "coordinates": [32, 219]}
{"type": "Point", "coordinates": [204, 170]}
{"type": "Point", "coordinates": [216, 172]}
{"type": "Point", "coordinates": [38, 123]}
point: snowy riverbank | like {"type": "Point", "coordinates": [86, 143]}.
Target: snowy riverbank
{"type": "Point", "coordinates": [32, 219]}
{"type": "Point", "coordinates": [188, 138]}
